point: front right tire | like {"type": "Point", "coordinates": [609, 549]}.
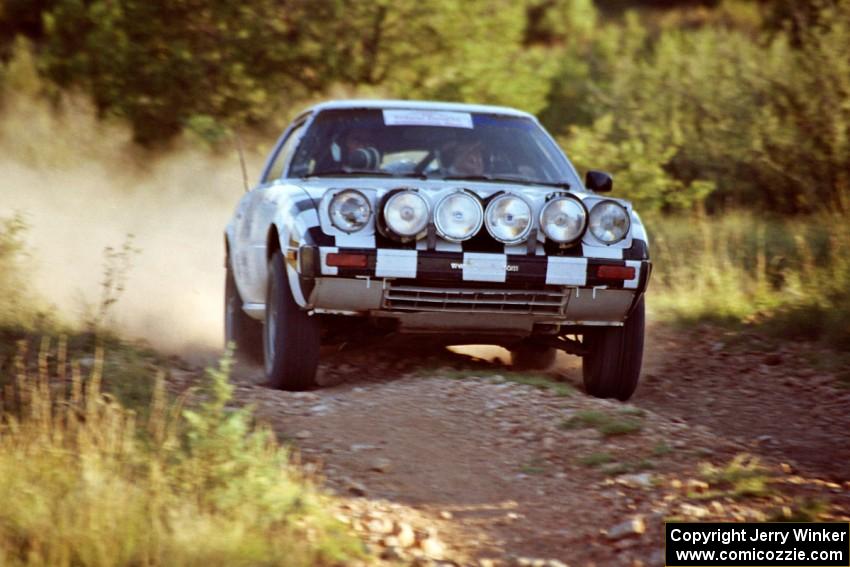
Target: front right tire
{"type": "Point", "coordinates": [611, 368]}
{"type": "Point", "coordinates": [240, 330]}
{"type": "Point", "coordinates": [290, 336]}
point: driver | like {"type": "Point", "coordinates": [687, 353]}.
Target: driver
{"type": "Point", "coordinates": [358, 151]}
{"type": "Point", "coordinates": [464, 158]}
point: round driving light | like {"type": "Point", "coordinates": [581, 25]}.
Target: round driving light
{"type": "Point", "coordinates": [350, 210]}
{"type": "Point", "coordinates": [563, 219]}
{"type": "Point", "coordinates": [406, 213]}
{"type": "Point", "coordinates": [458, 216]}
{"type": "Point", "coordinates": [508, 219]}
{"type": "Point", "coordinates": [609, 222]}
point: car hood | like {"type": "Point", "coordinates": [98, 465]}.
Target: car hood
{"type": "Point", "coordinates": [435, 188]}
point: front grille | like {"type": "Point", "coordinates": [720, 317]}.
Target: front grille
{"type": "Point", "coordinates": [528, 302]}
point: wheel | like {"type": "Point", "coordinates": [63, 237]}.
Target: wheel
{"type": "Point", "coordinates": [531, 356]}
{"type": "Point", "coordinates": [611, 367]}
{"type": "Point", "coordinates": [290, 337]}
{"type": "Point", "coordinates": [240, 329]}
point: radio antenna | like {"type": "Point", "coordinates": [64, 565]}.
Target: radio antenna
{"type": "Point", "coordinates": [238, 140]}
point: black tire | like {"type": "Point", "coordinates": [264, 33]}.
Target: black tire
{"type": "Point", "coordinates": [530, 356]}
{"type": "Point", "coordinates": [290, 337]}
{"type": "Point", "coordinates": [240, 329]}
{"type": "Point", "coordinates": [611, 368]}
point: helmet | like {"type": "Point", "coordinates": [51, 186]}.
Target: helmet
{"type": "Point", "coordinates": [352, 148]}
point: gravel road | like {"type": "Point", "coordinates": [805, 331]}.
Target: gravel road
{"type": "Point", "coordinates": [441, 458]}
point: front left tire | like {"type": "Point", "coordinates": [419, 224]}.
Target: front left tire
{"type": "Point", "coordinates": [291, 337]}
{"type": "Point", "coordinates": [611, 367]}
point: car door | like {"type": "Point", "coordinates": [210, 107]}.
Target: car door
{"type": "Point", "coordinates": [254, 216]}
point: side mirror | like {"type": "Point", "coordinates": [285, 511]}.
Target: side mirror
{"type": "Point", "coordinates": [599, 181]}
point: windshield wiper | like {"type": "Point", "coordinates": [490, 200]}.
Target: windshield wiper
{"type": "Point", "coordinates": [561, 184]}
{"type": "Point", "coordinates": [365, 172]}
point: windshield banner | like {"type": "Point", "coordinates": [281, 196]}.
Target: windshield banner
{"type": "Point", "coordinates": [427, 118]}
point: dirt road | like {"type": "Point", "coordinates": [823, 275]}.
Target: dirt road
{"type": "Point", "coordinates": [442, 457]}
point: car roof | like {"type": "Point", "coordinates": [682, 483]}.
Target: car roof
{"type": "Point", "coordinates": [419, 105]}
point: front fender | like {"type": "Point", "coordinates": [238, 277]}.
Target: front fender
{"type": "Point", "coordinates": [295, 223]}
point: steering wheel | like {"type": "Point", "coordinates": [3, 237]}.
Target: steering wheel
{"type": "Point", "coordinates": [423, 163]}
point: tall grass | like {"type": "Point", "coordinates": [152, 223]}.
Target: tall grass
{"type": "Point", "coordinates": [83, 483]}
{"type": "Point", "coordinates": [790, 275]}
{"type": "Point", "coordinates": [18, 306]}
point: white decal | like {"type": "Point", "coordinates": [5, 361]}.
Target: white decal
{"type": "Point", "coordinates": [566, 271]}
{"type": "Point", "coordinates": [395, 263]}
{"type": "Point", "coordinates": [428, 118]}
{"type": "Point", "coordinates": [323, 255]}
{"type": "Point", "coordinates": [602, 252]}
{"type": "Point", "coordinates": [633, 283]}
{"type": "Point", "coordinates": [484, 267]}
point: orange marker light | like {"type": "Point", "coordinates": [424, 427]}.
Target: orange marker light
{"type": "Point", "coordinates": [615, 272]}
{"type": "Point", "coordinates": [342, 260]}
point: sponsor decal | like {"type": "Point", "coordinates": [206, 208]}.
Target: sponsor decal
{"type": "Point", "coordinates": [508, 267]}
{"type": "Point", "coordinates": [443, 118]}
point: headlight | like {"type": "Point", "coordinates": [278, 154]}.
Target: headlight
{"type": "Point", "coordinates": [406, 213]}
{"type": "Point", "coordinates": [508, 219]}
{"type": "Point", "coordinates": [563, 219]}
{"type": "Point", "coordinates": [609, 221]}
{"type": "Point", "coordinates": [350, 210]}
{"type": "Point", "coordinates": [458, 216]}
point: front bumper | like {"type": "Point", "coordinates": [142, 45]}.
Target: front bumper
{"type": "Point", "coordinates": [436, 289]}
{"type": "Point", "coordinates": [458, 267]}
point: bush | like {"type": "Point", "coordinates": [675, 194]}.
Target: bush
{"type": "Point", "coordinates": [82, 484]}
{"type": "Point", "coordinates": [716, 115]}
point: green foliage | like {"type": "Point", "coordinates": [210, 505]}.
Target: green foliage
{"type": "Point", "coordinates": [43, 127]}
{"type": "Point", "coordinates": [540, 382]}
{"type": "Point", "coordinates": [157, 65]}
{"type": "Point", "coordinates": [596, 459]}
{"type": "Point", "coordinates": [689, 104]}
{"type": "Point", "coordinates": [609, 425]}
{"type": "Point", "coordinates": [534, 466]}
{"type": "Point", "coordinates": [166, 67]}
{"type": "Point", "coordinates": [84, 485]}
{"type": "Point", "coordinates": [710, 115]}
{"type": "Point", "coordinates": [743, 477]}
{"type": "Point", "coordinates": [791, 276]}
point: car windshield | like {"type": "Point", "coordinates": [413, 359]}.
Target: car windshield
{"type": "Point", "coordinates": [430, 143]}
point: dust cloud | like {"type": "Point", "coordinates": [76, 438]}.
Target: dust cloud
{"type": "Point", "coordinates": [82, 187]}
{"type": "Point", "coordinates": [500, 355]}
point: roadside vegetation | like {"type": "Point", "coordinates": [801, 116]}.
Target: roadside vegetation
{"type": "Point", "coordinates": [99, 465]}
{"type": "Point", "coordinates": [84, 481]}
{"type": "Point", "coordinates": [787, 276]}
{"type": "Point", "coordinates": [608, 424]}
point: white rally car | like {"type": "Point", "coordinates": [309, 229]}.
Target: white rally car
{"type": "Point", "coordinates": [463, 222]}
